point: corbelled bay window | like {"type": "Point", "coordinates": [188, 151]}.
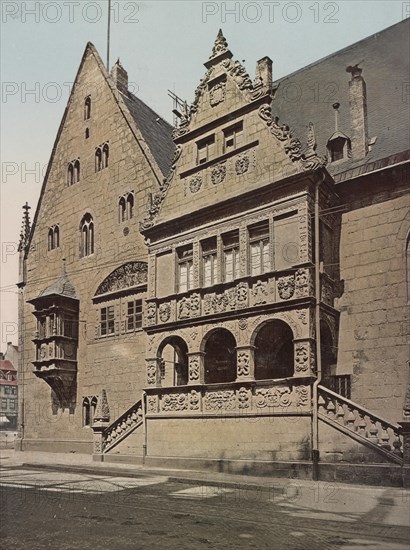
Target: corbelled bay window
{"type": "Point", "coordinates": [259, 248]}
{"type": "Point", "coordinates": [134, 315]}
{"type": "Point", "coordinates": [230, 255]}
{"type": "Point", "coordinates": [107, 325]}
{"type": "Point", "coordinates": [209, 262]}
{"type": "Point", "coordinates": [185, 268]}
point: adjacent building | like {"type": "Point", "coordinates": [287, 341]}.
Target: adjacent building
{"type": "Point", "coordinates": [232, 292]}
{"type": "Point", "coordinates": [8, 388]}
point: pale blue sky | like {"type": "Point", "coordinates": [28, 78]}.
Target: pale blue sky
{"type": "Point", "coordinates": [163, 45]}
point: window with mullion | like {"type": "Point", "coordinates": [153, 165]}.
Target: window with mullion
{"type": "Point", "coordinates": [134, 315]}
{"type": "Point", "coordinates": [230, 256]}
{"type": "Point", "coordinates": [259, 248]}
{"type": "Point", "coordinates": [185, 269]}
{"type": "Point", "coordinates": [107, 325]}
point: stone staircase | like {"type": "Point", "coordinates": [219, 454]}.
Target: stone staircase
{"type": "Point", "coordinates": [360, 424]}
{"type": "Point", "coordinates": [122, 427]}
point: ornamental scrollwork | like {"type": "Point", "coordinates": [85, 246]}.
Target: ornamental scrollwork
{"type": "Point", "coordinates": [273, 397]}
{"type": "Point", "coordinates": [220, 400]}
{"type": "Point", "coordinates": [194, 400]}
{"type": "Point", "coordinates": [259, 292]}
{"type": "Point", "coordinates": [151, 313]}
{"type": "Point", "coordinates": [242, 165]}
{"type": "Point", "coordinates": [301, 358]}
{"type": "Point", "coordinates": [174, 402]}
{"type": "Point", "coordinates": [195, 184]}
{"type": "Point", "coordinates": [151, 373]}
{"type": "Point", "coordinates": [243, 364]}
{"type": "Point", "coordinates": [194, 369]}
{"type": "Point", "coordinates": [244, 398]}
{"type": "Point", "coordinates": [126, 276]}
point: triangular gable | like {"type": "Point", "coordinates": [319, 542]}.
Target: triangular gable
{"type": "Point", "coordinates": [130, 119]}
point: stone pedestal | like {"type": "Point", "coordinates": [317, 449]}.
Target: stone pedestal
{"type": "Point", "coordinates": [245, 363]}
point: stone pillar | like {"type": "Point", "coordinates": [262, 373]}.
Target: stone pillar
{"type": "Point", "coordinates": [304, 358]}
{"type": "Point", "coordinates": [101, 421]}
{"type": "Point", "coordinates": [153, 372]}
{"type": "Point", "coordinates": [196, 368]}
{"type": "Point", "coordinates": [245, 363]}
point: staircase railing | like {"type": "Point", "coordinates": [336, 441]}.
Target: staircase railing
{"type": "Point", "coordinates": [358, 422]}
{"type": "Point", "coordinates": [122, 426]}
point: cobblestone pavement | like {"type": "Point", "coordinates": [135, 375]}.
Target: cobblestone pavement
{"type": "Point", "coordinates": [69, 510]}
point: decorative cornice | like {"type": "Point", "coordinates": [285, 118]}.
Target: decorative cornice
{"type": "Point", "coordinates": [309, 160]}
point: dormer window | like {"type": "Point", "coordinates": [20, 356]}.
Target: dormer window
{"type": "Point", "coordinates": [205, 149]}
{"type": "Point", "coordinates": [339, 147]}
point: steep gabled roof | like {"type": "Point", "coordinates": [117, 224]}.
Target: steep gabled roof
{"type": "Point", "coordinates": [140, 113]}
{"type": "Point", "coordinates": [6, 365]}
{"type": "Point", "coordinates": [156, 131]}
{"type": "Point", "coordinates": [309, 93]}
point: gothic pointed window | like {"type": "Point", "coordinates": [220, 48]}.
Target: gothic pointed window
{"type": "Point", "coordinates": [53, 238]}
{"type": "Point", "coordinates": [106, 153]}
{"type": "Point", "coordinates": [87, 108]}
{"type": "Point", "coordinates": [56, 236]}
{"type": "Point", "coordinates": [122, 211]}
{"type": "Point", "coordinates": [76, 171]}
{"type": "Point", "coordinates": [50, 239]}
{"type": "Point", "coordinates": [70, 174]}
{"type": "Point", "coordinates": [98, 160]}
{"type": "Point", "coordinates": [130, 206]}
{"type": "Point", "coordinates": [87, 236]}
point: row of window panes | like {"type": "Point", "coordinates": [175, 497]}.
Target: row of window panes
{"type": "Point", "coordinates": [11, 404]}
{"type": "Point", "coordinates": [233, 138]}
{"type": "Point", "coordinates": [101, 161]}
{"type": "Point", "coordinates": [10, 390]}
{"type": "Point", "coordinates": [133, 320]}
{"type": "Point", "coordinates": [259, 258]}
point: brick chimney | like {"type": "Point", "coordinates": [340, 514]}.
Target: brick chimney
{"type": "Point", "coordinates": [264, 72]}
{"type": "Point", "coordinates": [358, 113]}
{"type": "Point", "coordinates": [120, 77]}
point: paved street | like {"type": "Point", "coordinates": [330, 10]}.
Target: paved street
{"type": "Point", "coordinates": [45, 508]}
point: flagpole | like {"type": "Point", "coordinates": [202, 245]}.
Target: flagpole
{"type": "Point", "coordinates": [108, 35]}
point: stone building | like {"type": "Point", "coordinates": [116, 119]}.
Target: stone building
{"type": "Point", "coordinates": [258, 321]}
{"type": "Point", "coordinates": [8, 388]}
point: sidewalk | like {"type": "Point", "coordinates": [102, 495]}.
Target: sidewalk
{"type": "Point", "coordinates": [85, 464]}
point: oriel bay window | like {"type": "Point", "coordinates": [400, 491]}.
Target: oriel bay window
{"type": "Point", "coordinates": [259, 248]}
{"type": "Point", "coordinates": [134, 315]}
{"type": "Point", "coordinates": [185, 268]}
{"type": "Point", "coordinates": [107, 323]}
{"type": "Point", "coordinates": [209, 262]}
{"type": "Point", "coordinates": [230, 243]}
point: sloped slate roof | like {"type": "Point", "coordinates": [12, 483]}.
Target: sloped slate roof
{"type": "Point", "coordinates": [7, 365]}
{"type": "Point", "coordinates": [156, 131]}
{"type": "Point", "coordinates": [308, 94]}
{"type": "Point", "coordinates": [61, 287]}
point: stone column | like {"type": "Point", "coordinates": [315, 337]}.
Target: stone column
{"type": "Point", "coordinates": [101, 421]}
{"type": "Point", "coordinates": [153, 372]}
{"type": "Point", "coordinates": [196, 368]}
{"type": "Point", "coordinates": [245, 363]}
{"type": "Point", "coordinates": [304, 358]}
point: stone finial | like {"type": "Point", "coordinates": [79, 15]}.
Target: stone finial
{"type": "Point", "coordinates": [102, 412]}
{"type": "Point", "coordinates": [311, 141]}
{"type": "Point", "coordinates": [220, 45]}
{"type": "Point", "coordinates": [354, 70]}
{"type": "Point", "coordinates": [25, 227]}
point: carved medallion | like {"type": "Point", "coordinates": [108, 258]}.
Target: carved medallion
{"type": "Point", "coordinates": [164, 312]}
{"type": "Point", "coordinates": [218, 174]}
{"type": "Point", "coordinates": [242, 165]}
{"type": "Point", "coordinates": [217, 93]}
{"type": "Point", "coordinates": [195, 184]}
{"type": "Point", "coordinates": [286, 287]}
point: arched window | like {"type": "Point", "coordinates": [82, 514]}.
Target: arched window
{"type": "Point", "coordinates": [173, 356]}
{"type": "Point", "coordinates": [50, 239]}
{"type": "Point", "coordinates": [274, 351]}
{"type": "Point", "coordinates": [86, 412]}
{"type": "Point", "coordinates": [106, 152]}
{"type": "Point", "coordinates": [53, 238]}
{"type": "Point", "coordinates": [56, 236]}
{"type": "Point", "coordinates": [76, 171]}
{"type": "Point", "coordinates": [130, 205]}
{"type": "Point", "coordinates": [98, 160]}
{"type": "Point", "coordinates": [87, 235]}
{"type": "Point", "coordinates": [92, 409]}
{"type": "Point", "coordinates": [70, 174]}
{"type": "Point", "coordinates": [220, 357]}
{"type": "Point", "coordinates": [122, 209]}
{"type": "Point", "coordinates": [87, 108]}
{"type": "Point", "coordinates": [87, 133]}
